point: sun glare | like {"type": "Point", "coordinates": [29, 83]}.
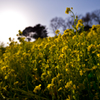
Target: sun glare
{"type": "Point", "coordinates": [10, 22]}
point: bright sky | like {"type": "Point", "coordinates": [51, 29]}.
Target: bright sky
{"type": "Point", "coordinates": [17, 14]}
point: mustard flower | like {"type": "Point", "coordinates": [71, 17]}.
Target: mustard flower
{"type": "Point", "coordinates": [67, 10]}
{"type": "Point", "coordinates": [6, 77]}
{"type": "Point", "coordinates": [71, 7]}
{"type": "Point", "coordinates": [94, 33]}
{"type": "Point", "coordinates": [53, 80]}
{"type": "Point", "coordinates": [43, 74]}
{"type": "Point", "coordinates": [80, 21]}
{"type": "Point", "coordinates": [60, 89]}
{"type": "Point", "coordinates": [50, 85]}
{"type": "Point", "coordinates": [37, 88]}
{"type": "Point", "coordinates": [81, 73]}
{"type": "Point", "coordinates": [74, 86]}
{"type": "Point", "coordinates": [20, 32]}
{"type": "Point", "coordinates": [98, 55]}
{"type": "Point", "coordinates": [68, 84]}
{"type": "Point", "coordinates": [47, 45]}
{"type": "Point", "coordinates": [57, 31]}
{"type": "Point", "coordinates": [17, 34]}
{"type": "Point", "coordinates": [3, 68]}
{"type": "Point", "coordinates": [79, 24]}
{"type": "Point", "coordinates": [64, 49]}
{"type": "Point", "coordinates": [90, 47]}
{"type": "Point", "coordinates": [16, 82]}
{"type": "Point", "coordinates": [94, 67]}
{"type": "Point", "coordinates": [74, 37]}
{"type": "Point", "coordinates": [47, 66]}
{"type": "Point", "coordinates": [59, 36]}
{"type": "Point", "coordinates": [58, 75]}
{"type": "Point", "coordinates": [61, 56]}
{"type": "Point", "coordinates": [5, 88]}
{"type": "Point", "coordinates": [22, 39]}
{"type": "Point", "coordinates": [66, 69]}
{"type": "Point", "coordinates": [49, 72]}
{"type": "Point", "coordinates": [65, 31]}
{"type": "Point", "coordinates": [93, 27]}
{"type": "Point", "coordinates": [10, 39]}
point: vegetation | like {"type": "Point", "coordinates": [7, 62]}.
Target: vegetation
{"type": "Point", "coordinates": [64, 67]}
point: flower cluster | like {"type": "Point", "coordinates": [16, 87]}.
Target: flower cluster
{"type": "Point", "coordinates": [67, 10]}
{"type": "Point", "coordinates": [79, 24]}
{"type": "Point", "coordinates": [57, 31]}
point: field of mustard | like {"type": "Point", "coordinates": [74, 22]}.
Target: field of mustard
{"type": "Point", "coordinates": [64, 67]}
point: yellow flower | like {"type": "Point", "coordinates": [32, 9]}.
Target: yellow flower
{"type": "Point", "coordinates": [43, 74]}
{"type": "Point", "coordinates": [5, 88]}
{"type": "Point", "coordinates": [74, 37]}
{"type": "Point", "coordinates": [79, 24]}
{"type": "Point", "coordinates": [61, 56]}
{"type": "Point", "coordinates": [67, 10]}
{"type": "Point", "coordinates": [94, 67]}
{"type": "Point", "coordinates": [53, 80]}
{"type": "Point", "coordinates": [68, 84]}
{"type": "Point", "coordinates": [10, 39]}
{"type": "Point", "coordinates": [16, 82]}
{"type": "Point", "coordinates": [65, 31]}
{"type": "Point", "coordinates": [3, 68]}
{"type": "Point", "coordinates": [81, 73]}
{"type": "Point", "coordinates": [98, 55]}
{"type": "Point", "coordinates": [20, 32]}
{"type": "Point", "coordinates": [74, 86]}
{"type": "Point", "coordinates": [80, 21]}
{"type": "Point", "coordinates": [71, 7]}
{"type": "Point", "coordinates": [66, 69]}
{"type": "Point", "coordinates": [49, 86]}
{"type": "Point", "coordinates": [93, 27]}
{"type": "Point", "coordinates": [6, 77]}
{"type": "Point", "coordinates": [57, 31]}
{"type": "Point", "coordinates": [90, 47]}
{"type": "Point", "coordinates": [64, 49]}
{"type": "Point", "coordinates": [60, 89]}
{"type": "Point", "coordinates": [37, 88]}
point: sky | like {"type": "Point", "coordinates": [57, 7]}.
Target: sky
{"type": "Point", "coordinates": [18, 14]}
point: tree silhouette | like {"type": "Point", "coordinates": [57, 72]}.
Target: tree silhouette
{"type": "Point", "coordinates": [40, 31]}
{"type": "Point", "coordinates": [57, 23]}
{"type": "Point", "coordinates": [87, 19]}
{"type": "Point", "coordinates": [27, 30]}
{"type": "Point", "coordinates": [96, 16]}
{"type": "Point", "coordinates": [34, 32]}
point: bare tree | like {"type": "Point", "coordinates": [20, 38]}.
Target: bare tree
{"type": "Point", "coordinates": [96, 16]}
{"type": "Point", "coordinates": [69, 22]}
{"type": "Point", "coordinates": [57, 23]}
{"type": "Point", "coordinates": [87, 19]}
